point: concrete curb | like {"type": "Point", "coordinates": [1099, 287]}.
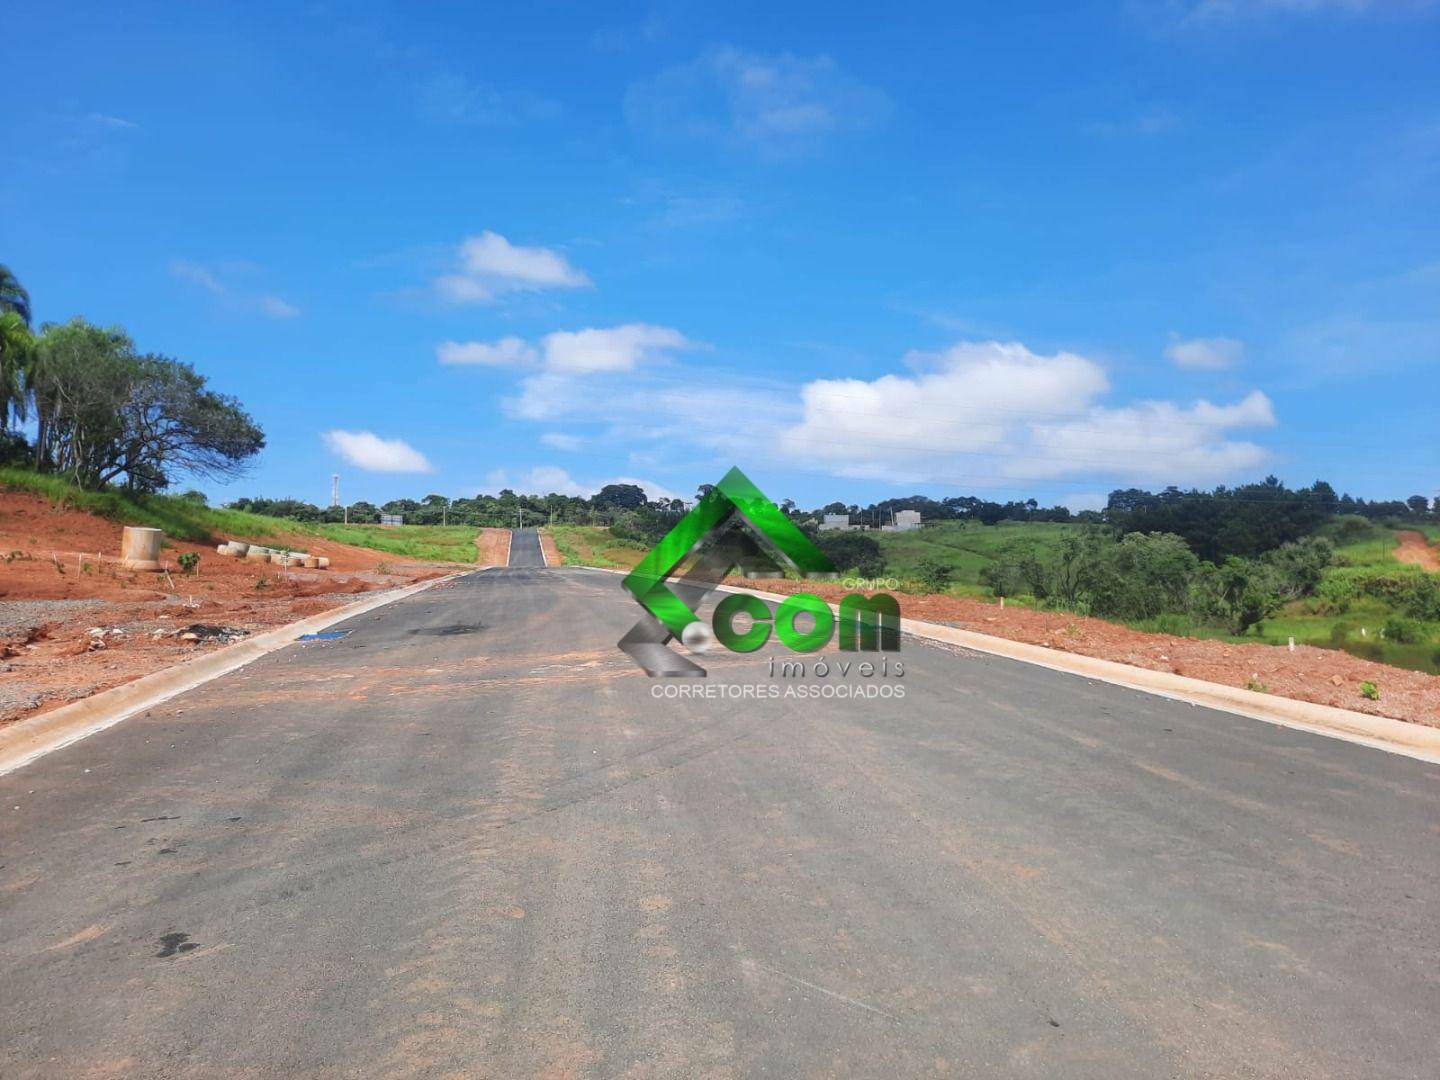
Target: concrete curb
{"type": "Point", "coordinates": [1379, 732]}
{"type": "Point", "coordinates": [35, 736]}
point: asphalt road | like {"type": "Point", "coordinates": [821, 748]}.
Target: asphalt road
{"type": "Point", "coordinates": [525, 548]}
{"type": "Point", "coordinates": [467, 840]}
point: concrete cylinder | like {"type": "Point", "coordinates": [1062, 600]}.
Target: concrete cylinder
{"type": "Point", "coordinates": [312, 562]}
{"type": "Point", "coordinates": [222, 549]}
{"type": "Point", "coordinates": [140, 548]}
{"type": "Point", "coordinates": [257, 554]}
{"type": "Point", "coordinates": [238, 548]}
{"type": "Point", "coordinates": [323, 563]}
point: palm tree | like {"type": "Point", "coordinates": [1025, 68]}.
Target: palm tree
{"type": "Point", "coordinates": [17, 346]}
{"type": "Point", "coordinates": [13, 296]}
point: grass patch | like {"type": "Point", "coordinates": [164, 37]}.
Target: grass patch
{"type": "Point", "coordinates": [423, 543]}
{"type": "Point", "coordinates": [968, 547]}
{"type": "Point", "coordinates": [587, 545]}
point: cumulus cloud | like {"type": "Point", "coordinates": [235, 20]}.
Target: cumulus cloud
{"type": "Point", "coordinates": [1204, 354]}
{"type": "Point", "coordinates": [619, 348]}
{"type": "Point", "coordinates": [216, 282]}
{"type": "Point", "coordinates": [507, 352]}
{"type": "Point", "coordinates": [567, 357]}
{"type": "Point", "coordinates": [779, 103]}
{"type": "Point", "coordinates": [366, 450]}
{"type": "Point", "coordinates": [560, 441]}
{"type": "Point", "coordinates": [489, 266]}
{"type": "Point", "coordinates": [990, 409]}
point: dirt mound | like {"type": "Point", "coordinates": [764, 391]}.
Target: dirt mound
{"type": "Point", "coordinates": [1415, 548]}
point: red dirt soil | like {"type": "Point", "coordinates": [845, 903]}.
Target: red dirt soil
{"type": "Point", "coordinates": [1414, 548]}
{"type": "Point", "coordinates": [47, 655]}
{"type": "Point", "coordinates": [549, 549]}
{"type": "Point", "coordinates": [1323, 676]}
{"type": "Point", "coordinates": [494, 545]}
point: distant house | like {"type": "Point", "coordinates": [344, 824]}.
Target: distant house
{"type": "Point", "coordinates": [904, 521]}
{"type": "Point", "coordinates": [835, 523]}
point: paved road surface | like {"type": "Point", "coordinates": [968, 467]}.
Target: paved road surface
{"type": "Point", "coordinates": [525, 548]}
{"type": "Point", "coordinates": [466, 840]}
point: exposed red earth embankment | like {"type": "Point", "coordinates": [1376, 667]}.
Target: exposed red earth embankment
{"type": "Point", "coordinates": [494, 546]}
{"type": "Point", "coordinates": [1416, 549]}
{"type": "Point", "coordinates": [1322, 676]}
{"type": "Point", "coordinates": [550, 550]}
{"type": "Point", "coordinates": [61, 581]}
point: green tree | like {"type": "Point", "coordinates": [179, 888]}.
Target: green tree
{"type": "Point", "coordinates": [13, 297]}
{"type": "Point", "coordinates": [107, 413]}
{"type": "Point", "coordinates": [17, 352]}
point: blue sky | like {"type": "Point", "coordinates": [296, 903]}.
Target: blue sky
{"type": "Point", "coordinates": [1004, 250]}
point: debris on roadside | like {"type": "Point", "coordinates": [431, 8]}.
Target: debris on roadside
{"type": "Point", "coordinates": [201, 633]}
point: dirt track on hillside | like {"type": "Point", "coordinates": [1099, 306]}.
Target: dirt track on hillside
{"type": "Point", "coordinates": [1414, 548]}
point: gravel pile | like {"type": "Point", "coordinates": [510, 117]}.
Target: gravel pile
{"type": "Point", "coordinates": [16, 615]}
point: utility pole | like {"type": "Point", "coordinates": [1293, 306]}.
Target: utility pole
{"type": "Point", "coordinates": [335, 490]}
{"type": "Point", "coordinates": [445, 513]}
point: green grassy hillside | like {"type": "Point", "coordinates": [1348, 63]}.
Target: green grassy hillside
{"type": "Point", "coordinates": [967, 547]}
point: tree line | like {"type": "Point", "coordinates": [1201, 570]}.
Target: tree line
{"type": "Point", "coordinates": [106, 414]}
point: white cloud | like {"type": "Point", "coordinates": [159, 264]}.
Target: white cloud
{"type": "Point", "coordinates": [489, 266]}
{"type": "Point", "coordinates": [560, 441]}
{"type": "Point", "coordinates": [1221, 10]}
{"type": "Point", "coordinates": [1156, 120]}
{"type": "Point", "coordinates": [547, 480]}
{"type": "Point", "coordinates": [567, 357]}
{"type": "Point", "coordinates": [277, 308]}
{"type": "Point", "coordinates": [1204, 354]}
{"type": "Point", "coordinates": [366, 450]}
{"type": "Point", "coordinates": [779, 103]}
{"type": "Point", "coordinates": [507, 352]}
{"type": "Point", "coordinates": [452, 99]}
{"type": "Point", "coordinates": [998, 411]}
{"type": "Point", "coordinates": [619, 348]}
{"type": "Point", "coordinates": [267, 304]}
{"type": "Point", "coordinates": [115, 123]}
{"type": "Point", "coordinates": [197, 275]}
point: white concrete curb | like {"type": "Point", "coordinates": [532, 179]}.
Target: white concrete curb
{"type": "Point", "coordinates": [1379, 732]}
{"type": "Point", "coordinates": [35, 736]}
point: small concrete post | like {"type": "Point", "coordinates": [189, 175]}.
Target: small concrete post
{"type": "Point", "coordinates": [140, 548]}
{"type": "Point", "coordinates": [1292, 644]}
{"type": "Point", "coordinates": [1002, 603]}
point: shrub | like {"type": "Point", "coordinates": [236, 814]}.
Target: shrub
{"type": "Point", "coordinates": [189, 561]}
{"type": "Point", "coordinates": [1404, 631]}
{"type": "Point", "coordinates": [852, 551]}
{"type": "Point", "coordinates": [1003, 578]}
{"type": "Point", "coordinates": [935, 575]}
{"type": "Point", "coordinates": [1370, 690]}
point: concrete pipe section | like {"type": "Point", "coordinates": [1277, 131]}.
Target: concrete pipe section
{"type": "Point", "coordinates": [140, 548]}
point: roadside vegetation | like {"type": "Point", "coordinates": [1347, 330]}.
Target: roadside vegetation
{"type": "Point", "coordinates": [592, 545]}
{"type": "Point", "coordinates": [423, 543]}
